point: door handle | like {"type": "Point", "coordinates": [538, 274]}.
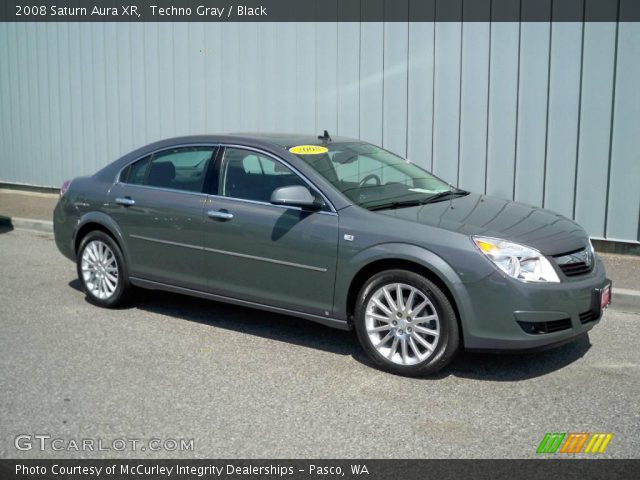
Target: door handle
{"type": "Point", "coordinates": [126, 201]}
{"type": "Point", "coordinates": [222, 215]}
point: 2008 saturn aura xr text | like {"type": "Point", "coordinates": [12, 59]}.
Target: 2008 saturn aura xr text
{"type": "Point", "coordinates": [337, 231]}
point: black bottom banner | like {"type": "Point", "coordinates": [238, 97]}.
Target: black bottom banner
{"type": "Point", "coordinates": [32, 469]}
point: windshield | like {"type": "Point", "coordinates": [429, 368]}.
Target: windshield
{"type": "Point", "coordinates": [373, 177]}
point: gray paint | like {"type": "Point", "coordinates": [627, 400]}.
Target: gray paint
{"type": "Point", "coordinates": [543, 113]}
{"type": "Point", "coordinates": [285, 259]}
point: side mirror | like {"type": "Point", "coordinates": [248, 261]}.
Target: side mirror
{"type": "Point", "coordinates": [296, 196]}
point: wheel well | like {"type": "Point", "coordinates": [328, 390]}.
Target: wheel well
{"type": "Point", "coordinates": [395, 264]}
{"type": "Point", "coordinates": [91, 227]}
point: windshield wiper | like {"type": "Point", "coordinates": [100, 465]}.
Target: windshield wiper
{"type": "Point", "coordinates": [404, 203]}
{"type": "Point", "coordinates": [442, 195]}
{"type": "Point", "coordinates": [413, 203]}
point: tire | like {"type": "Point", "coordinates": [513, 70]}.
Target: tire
{"type": "Point", "coordinates": [99, 261]}
{"type": "Point", "coordinates": [423, 339]}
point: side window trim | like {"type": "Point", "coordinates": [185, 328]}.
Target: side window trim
{"type": "Point", "coordinates": [220, 164]}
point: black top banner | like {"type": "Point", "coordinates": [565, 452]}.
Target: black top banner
{"type": "Point", "coordinates": [319, 10]}
{"type": "Point", "coordinates": [582, 469]}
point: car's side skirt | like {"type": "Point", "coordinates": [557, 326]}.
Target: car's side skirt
{"type": "Point", "coordinates": [151, 285]}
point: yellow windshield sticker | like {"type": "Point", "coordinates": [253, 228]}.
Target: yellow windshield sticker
{"type": "Point", "coordinates": [308, 150]}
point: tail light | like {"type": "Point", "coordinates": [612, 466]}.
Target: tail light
{"type": "Point", "coordinates": [65, 186]}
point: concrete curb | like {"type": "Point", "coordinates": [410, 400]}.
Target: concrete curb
{"type": "Point", "coordinates": [625, 300]}
{"type": "Point", "coordinates": [27, 224]}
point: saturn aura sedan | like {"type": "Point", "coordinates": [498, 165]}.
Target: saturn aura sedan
{"type": "Point", "coordinates": [337, 231]}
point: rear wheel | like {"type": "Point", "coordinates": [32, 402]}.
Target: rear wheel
{"type": "Point", "coordinates": [406, 323]}
{"type": "Point", "coordinates": [102, 270]}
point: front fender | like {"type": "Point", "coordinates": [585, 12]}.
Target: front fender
{"type": "Point", "coordinates": [349, 268]}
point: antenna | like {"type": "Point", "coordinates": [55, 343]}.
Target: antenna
{"type": "Point", "coordinates": [325, 137]}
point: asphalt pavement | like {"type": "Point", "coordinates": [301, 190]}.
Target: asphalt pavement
{"type": "Point", "coordinates": [244, 383]}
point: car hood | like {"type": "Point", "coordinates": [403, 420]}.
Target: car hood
{"type": "Point", "coordinates": [474, 214]}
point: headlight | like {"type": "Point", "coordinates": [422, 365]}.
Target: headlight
{"type": "Point", "coordinates": [522, 263]}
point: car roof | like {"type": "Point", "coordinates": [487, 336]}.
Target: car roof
{"type": "Point", "coordinates": [288, 139]}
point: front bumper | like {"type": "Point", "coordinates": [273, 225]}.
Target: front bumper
{"type": "Point", "coordinates": [501, 313]}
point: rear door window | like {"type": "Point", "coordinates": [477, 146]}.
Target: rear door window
{"type": "Point", "coordinates": [178, 169]}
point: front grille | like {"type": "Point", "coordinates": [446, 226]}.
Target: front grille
{"type": "Point", "coordinates": [537, 328]}
{"type": "Point", "coordinates": [575, 269]}
{"type": "Point", "coordinates": [588, 316]}
{"type": "Point", "coordinates": [576, 263]}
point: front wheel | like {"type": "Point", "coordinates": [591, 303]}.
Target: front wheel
{"type": "Point", "coordinates": [102, 270]}
{"type": "Point", "coordinates": [406, 323]}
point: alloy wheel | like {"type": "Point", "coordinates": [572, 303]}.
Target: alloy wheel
{"type": "Point", "coordinates": [402, 323]}
{"type": "Point", "coordinates": [99, 269]}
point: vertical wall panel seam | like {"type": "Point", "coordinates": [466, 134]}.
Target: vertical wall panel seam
{"type": "Point", "coordinates": [406, 130]}
{"type": "Point", "coordinates": [359, 67]}
{"type": "Point", "coordinates": [384, 38]}
{"type": "Point", "coordinates": [29, 102]}
{"type": "Point", "coordinates": [131, 84]}
{"type": "Point", "coordinates": [433, 83]}
{"type": "Point", "coordinates": [578, 132]}
{"type": "Point", "coordinates": [94, 101]}
{"type": "Point", "coordinates": [611, 123]}
{"type": "Point", "coordinates": [10, 171]}
{"type": "Point", "coordinates": [460, 89]}
{"type": "Point", "coordinates": [359, 64]}
{"type": "Point", "coordinates": [546, 130]}
{"type": "Point", "coordinates": [71, 130]}
{"type": "Point", "coordinates": [4, 102]}
{"type": "Point", "coordinates": [39, 97]}
{"type": "Point", "coordinates": [173, 74]}
{"type": "Point", "coordinates": [5, 174]}
{"type": "Point", "coordinates": [187, 83]}
{"type": "Point", "coordinates": [133, 94]}
{"type": "Point", "coordinates": [82, 125]}
{"type": "Point", "coordinates": [106, 86]}
{"type": "Point", "coordinates": [515, 143]}
{"type": "Point", "coordinates": [41, 93]}
{"type": "Point", "coordinates": [144, 87]}
{"type": "Point", "coordinates": [62, 159]}
{"type": "Point", "coordinates": [219, 69]}
{"type": "Point", "coordinates": [25, 122]}
{"type": "Point", "coordinates": [315, 77]}
{"type": "Point", "coordinates": [486, 140]}
{"type": "Point", "coordinates": [25, 85]}
{"type": "Point", "coordinates": [337, 110]}
{"type": "Point", "coordinates": [9, 105]}
{"type": "Point", "coordinates": [207, 68]}
{"type": "Point", "coordinates": [116, 94]}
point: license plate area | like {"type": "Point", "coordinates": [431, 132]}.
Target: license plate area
{"type": "Point", "coordinates": [601, 299]}
{"type": "Point", "coordinates": [605, 297]}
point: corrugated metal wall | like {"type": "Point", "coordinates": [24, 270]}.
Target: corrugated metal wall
{"type": "Point", "coordinates": [546, 113]}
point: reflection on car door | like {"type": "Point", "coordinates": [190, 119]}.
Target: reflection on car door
{"type": "Point", "coordinates": [158, 205]}
{"type": "Point", "coordinates": [279, 256]}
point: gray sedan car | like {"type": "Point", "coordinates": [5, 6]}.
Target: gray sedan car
{"type": "Point", "coordinates": [336, 231]}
